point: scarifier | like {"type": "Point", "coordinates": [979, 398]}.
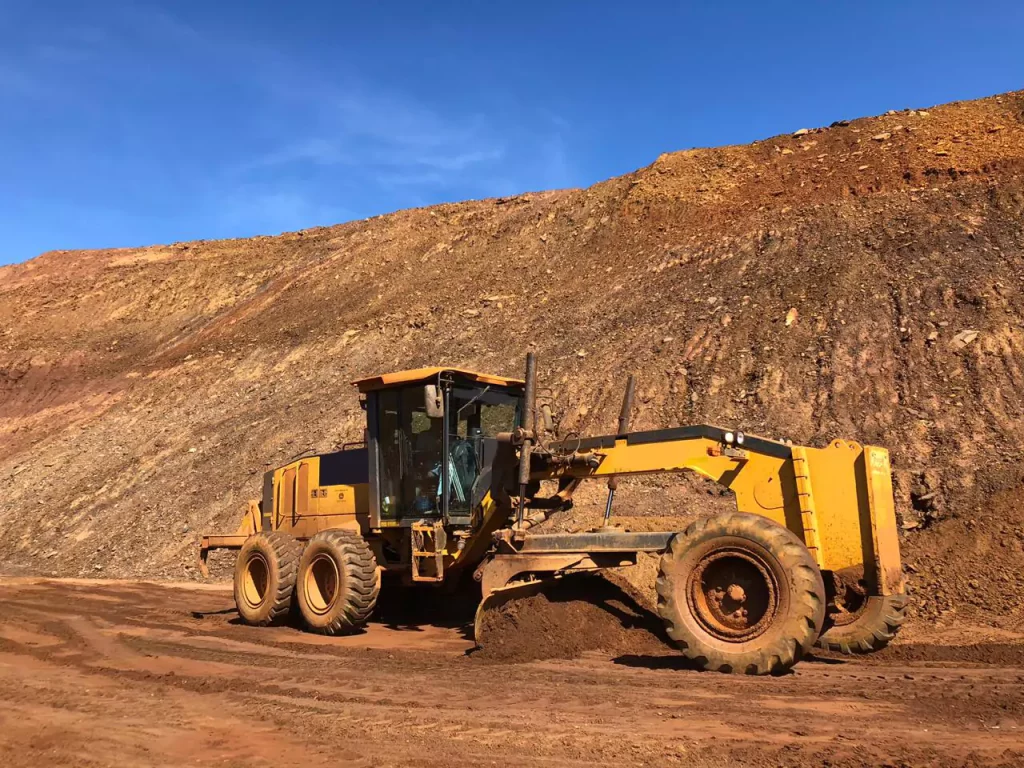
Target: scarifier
{"type": "Point", "coordinates": [447, 485]}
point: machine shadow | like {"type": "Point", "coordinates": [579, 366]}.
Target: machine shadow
{"type": "Point", "coordinates": [293, 621]}
{"type": "Point", "coordinates": [681, 663]}
{"type": "Point", "coordinates": [651, 661]}
{"type": "Point", "coordinates": [219, 612]}
{"type": "Point", "coordinates": [400, 607]}
{"type": "Point", "coordinates": [410, 608]}
{"type": "Point", "coordinates": [813, 658]}
{"type": "Point", "coordinates": [675, 663]}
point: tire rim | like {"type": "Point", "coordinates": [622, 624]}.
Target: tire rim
{"type": "Point", "coordinates": [255, 581]}
{"type": "Point", "coordinates": [321, 584]}
{"type": "Point", "coordinates": [733, 593]}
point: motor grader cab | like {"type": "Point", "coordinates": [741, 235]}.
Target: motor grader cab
{"type": "Point", "coordinates": [447, 483]}
{"type": "Point", "coordinates": [432, 440]}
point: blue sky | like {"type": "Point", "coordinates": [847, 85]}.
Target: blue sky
{"type": "Point", "coordinates": [125, 124]}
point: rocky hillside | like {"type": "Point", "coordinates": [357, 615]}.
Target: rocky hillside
{"type": "Point", "coordinates": [862, 280]}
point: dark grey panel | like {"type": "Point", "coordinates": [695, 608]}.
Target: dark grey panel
{"type": "Point", "coordinates": [268, 499]}
{"type": "Point", "coordinates": [756, 444]}
{"type": "Point", "coordinates": [351, 467]}
{"type": "Point", "coordinates": [373, 457]}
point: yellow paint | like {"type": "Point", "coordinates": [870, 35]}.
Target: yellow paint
{"type": "Point", "coordinates": [883, 520]}
{"type": "Point", "coordinates": [837, 499]}
{"type": "Point", "coordinates": [303, 507]}
{"type": "Point", "coordinates": [427, 375]}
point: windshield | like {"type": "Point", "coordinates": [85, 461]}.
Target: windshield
{"type": "Point", "coordinates": [411, 447]}
{"type": "Point", "coordinates": [474, 415]}
{"type": "Point", "coordinates": [482, 412]}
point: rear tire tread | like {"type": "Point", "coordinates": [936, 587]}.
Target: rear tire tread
{"type": "Point", "coordinates": [284, 550]}
{"type": "Point", "coordinates": [872, 631]}
{"type": "Point", "coordinates": [361, 581]}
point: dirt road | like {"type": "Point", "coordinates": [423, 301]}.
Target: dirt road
{"type": "Point", "coordinates": [126, 674]}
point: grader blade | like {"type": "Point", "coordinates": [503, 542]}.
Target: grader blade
{"type": "Point", "coordinates": [507, 577]}
{"type": "Point", "coordinates": [526, 564]}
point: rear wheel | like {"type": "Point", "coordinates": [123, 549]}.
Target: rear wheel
{"type": "Point", "coordinates": [739, 593]}
{"type": "Point", "coordinates": [338, 582]}
{"type": "Point", "coordinates": [265, 577]}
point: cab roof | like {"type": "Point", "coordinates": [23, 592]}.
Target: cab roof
{"type": "Point", "coordinates": [386, 380]}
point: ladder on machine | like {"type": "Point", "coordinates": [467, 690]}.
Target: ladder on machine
{"type": "Point", "coordinates": [429, 541]}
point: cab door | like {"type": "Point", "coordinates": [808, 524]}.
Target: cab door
{"type": "Point", "coordinates": [408, 456]}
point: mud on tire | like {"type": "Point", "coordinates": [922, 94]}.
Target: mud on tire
{"type": "Point", "coordinates": [265, 577]}
{"type": "Point", "coordinates": [740, 593]}
{"type": "Point", "coordinates": [871, 630]}
{"type": "Point", "coordinates": [338, 582]}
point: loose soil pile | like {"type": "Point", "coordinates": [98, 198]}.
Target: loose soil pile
{"type": "Point", "coordinates": [858, 281]}
{"type": "Point", "coordinates": [573, 615]}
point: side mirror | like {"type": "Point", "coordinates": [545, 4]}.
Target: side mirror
{"type": "Point", "coordinates": [434, 401]}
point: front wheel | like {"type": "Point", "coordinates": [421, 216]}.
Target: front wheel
{"type": "Point", "coordinates": [740, 593]}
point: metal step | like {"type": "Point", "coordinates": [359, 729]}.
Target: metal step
{"type": "Point", "coordinates": [428, 540]}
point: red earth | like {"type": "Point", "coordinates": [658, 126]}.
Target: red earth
{"type": "Point", "coordinates": [121, 673]}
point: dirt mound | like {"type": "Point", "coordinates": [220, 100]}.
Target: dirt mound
{"type": "Point", "coordinates": [971, 566]}
{"type": "Point", "coordinates": [570, 616]}
{"type": "Point", "coordinates": [1001, 654]}
{"type": "Point", "coordinates": [144, 391]}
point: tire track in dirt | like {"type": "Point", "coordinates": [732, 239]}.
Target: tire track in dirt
{"type": "Point", "coordinates": [163, 687]}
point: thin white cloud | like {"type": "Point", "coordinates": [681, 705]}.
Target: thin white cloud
{"type": "Point", "coordinates": [399, 119]}
{"type": "Point", "coordinates": [556, 172]}
{"type": "Point", "coordinates": [385, 136]}
{"type": "Point", "coordinates": [158, 24]}
{"type": "Point", "coordinates": [312, 150]}
{"type": "Point", "coordinates": [335, 145]}
{"type": "Point", "coordinates": [393, 179]}
{"type": "Point", "coordinates": [257, 209]}
{"type": "Point", "coordinates": [458, 162]}
{"type": "Point", "coordinates": [379, 136]}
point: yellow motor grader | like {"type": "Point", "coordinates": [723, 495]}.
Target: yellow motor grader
{"type": "Point", "coordinates": [447, 485]}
